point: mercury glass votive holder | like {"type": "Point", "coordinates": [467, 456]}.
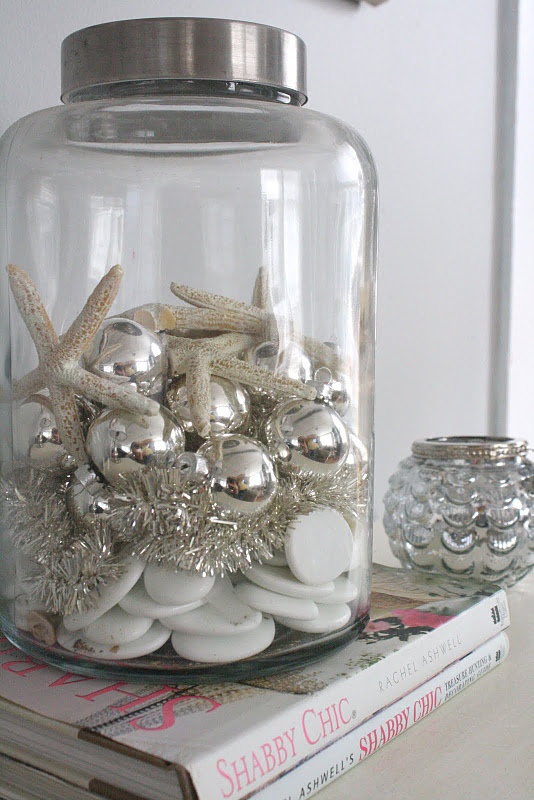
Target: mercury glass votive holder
{"type": "Point", "coordinates": [464, 506]}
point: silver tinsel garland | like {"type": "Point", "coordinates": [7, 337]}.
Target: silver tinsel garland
{"type": "Point", "coordinates": [73, 580]}
{"type": "Point", "coordinates": [262, 406]}
{"type": "Point", "coordinates": [162, 519]}
{"type": "Point", "coordinates": [73, 562]}
{"type": "Point", "coordinates": [157, 516]}
{"type": "Point", "coordinates": [34, 506]}
{"type": "Point", "coordinates": [345, 490]}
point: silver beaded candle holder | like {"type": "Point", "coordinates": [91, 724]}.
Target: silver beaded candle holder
{"type": "Point", "coordinates": [464, 506]}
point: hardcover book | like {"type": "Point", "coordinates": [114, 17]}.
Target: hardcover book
{"type": "Point", "coordinates": [229, 740]}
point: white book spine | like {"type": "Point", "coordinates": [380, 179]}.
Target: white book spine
{"type": "Point", "coordinates": [318, 771]}
{"type": "Point", "coordinates": [250, 761]}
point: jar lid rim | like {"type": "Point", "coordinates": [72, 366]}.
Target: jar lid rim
{"type": "Point", "coordinates": [183, 48]}
{"type": "Point", "coordinates": [489, 448]}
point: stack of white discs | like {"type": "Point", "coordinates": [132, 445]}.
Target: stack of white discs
{"type": "Point", "coordinates": [109, 632]}
{"type": "Point", "coordinates": [220, 629]}
{"type": "Point", "coordinates": [203, 616]}
{"type": "Point", "coordinates": [208, 619]}
{"type": "Point", "coordinates": [304, 588]}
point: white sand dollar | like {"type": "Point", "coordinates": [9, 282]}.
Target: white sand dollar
{"type": "Point", "coordinates": [228, 604]}
{"type": "Point", "coordinates": [139, 602]}
{"type": "Point", "coordinates": [344, 592]}
{"type": "Point", "coordinates": [173, 586]}
{"type": "Point", "coordinates": [277, 604]}
{"type": "Point", "coordinates": [108, 597]}
{"type": "Point", "coordinates": [152, 640]}
{"type": "Point", "coordinates": [330, 618]}
{"type": "Point", "coordinates": [224, 649]}
{"type": "Point", "coordinates": [358, 558]}
{"type": "Point", "coordinates": [278, 559]}
{"type": "Point", "coordinates": [207, 621]}
{"type": "Point", "coordinates": [282, 580]}
{"type": "Point", "coordinates": [116, 627]}
{"type": "Point", "coordinates": [319, 546]}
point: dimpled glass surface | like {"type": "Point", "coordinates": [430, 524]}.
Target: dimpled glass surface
{"type": "Point", "coordinates": [470, 520]}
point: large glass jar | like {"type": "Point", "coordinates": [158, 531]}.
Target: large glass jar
{"type": "Point", "coordinates": [188, 419]}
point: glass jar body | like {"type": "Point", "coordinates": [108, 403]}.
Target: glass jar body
{"type": "Point", "coordinates": [261, 216]}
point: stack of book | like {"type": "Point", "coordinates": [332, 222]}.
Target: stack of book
{"type": "Point", "coordinates": [80, 738]}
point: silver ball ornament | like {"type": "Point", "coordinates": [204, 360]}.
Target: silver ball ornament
{"type": "Point", "coordinates": [330, 390]}
{"type": "Point", "coordinates": [291, 361]}
{"type": "Point", "coordinates": [243, 477]}
{"type": "Point", "coordinates": [46, 449]}
{"type": "Point", "coordinates": [87, 496]}
{"type": "Point", "coordinates": [309, 436]}
{"type": "Point", "coordinates": [127, 352]}
{"type": "Point", "coordinates": [193, 467]}
{"type": "Point", "coordinates": [230, 404]}
{"type": "Point", "coordinates": [119, 442]}
{"type": "Point", "coordinates": [358, 454]}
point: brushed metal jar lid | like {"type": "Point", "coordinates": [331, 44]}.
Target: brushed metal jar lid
{"type": "Point", "coordinates": [183, 48]}
{"type": "Point", "coordinates": [471, 448]}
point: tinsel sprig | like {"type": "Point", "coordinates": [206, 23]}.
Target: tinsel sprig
{"type": "Point", "coordinates": [262, 406]}
{"type": "Point", "coordinates": [72, 582]}
{"type": "Point", "coordinates": [35, 509]}
{"type": "Point", "coordinates": [344, 490]}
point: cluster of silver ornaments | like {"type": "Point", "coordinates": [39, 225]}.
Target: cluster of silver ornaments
{"type": "Point", "coordinates": [148, 524]}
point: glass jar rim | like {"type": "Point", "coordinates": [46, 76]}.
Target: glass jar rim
{"type": "Point", "coordinates": [479, 448]}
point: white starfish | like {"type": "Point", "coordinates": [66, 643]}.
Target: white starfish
{"type": "Point", "coordinates": [183, 321]}
{"type": "Point", "coordinates": [257, 319]}
{"type": "Point", "coordinates": [201, 358]}
{"type": "Point", "coordinates": [59, 369]}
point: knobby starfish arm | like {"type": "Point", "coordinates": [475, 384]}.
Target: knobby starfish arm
{"type": "Point", "coordinates": [180, 348]}
{"type": "Point", "coordinates": [180, 320]}
{"type": "Point", "coordinates": [203, 299]}
{"type": "Point", "coordinates": [110, 394]}
{"type": "Point", "coordinates": [209, 320]}
{"type": "Point", "coordinates": [198, 379]}
{"type": "Point", "coordinates": [32, 311]}
{"type": "Point", "coordinates": [261, 295]}
{"type": "Point", "coordinates": [41, 399]}
{"type": "Point", "coordinates": [63, 404]}
{"type": "Point", "coordinates": [229, 343]}
{"type": "Point", "coordinates": [31, 383]}
{"type": "Point", "coordinates": [85, 326]}
{"type": "Point", "coordinates": [278, 384]}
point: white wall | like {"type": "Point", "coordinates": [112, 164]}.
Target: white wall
{"type": "Point", "coordinates": [520, 386]}
{"type": "Point", "coordinates": [418, 80]}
